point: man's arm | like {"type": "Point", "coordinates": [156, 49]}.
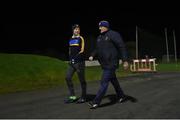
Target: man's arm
{"type": "Point", "coordinates": [82, 45]}
{"type": "Point", "coordinates": [119, 44]}
{"type": "Point", "coordinates": [93, 54]}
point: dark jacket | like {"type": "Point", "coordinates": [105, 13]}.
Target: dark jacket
{"type": "Point", "coordinates": [109, 48]}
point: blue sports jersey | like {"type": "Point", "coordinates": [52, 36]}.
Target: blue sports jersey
{"type": "Point", "coordinates": [76, 45]}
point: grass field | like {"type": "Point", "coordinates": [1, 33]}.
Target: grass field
{"type": "Point", "coordinates": [22, 72]}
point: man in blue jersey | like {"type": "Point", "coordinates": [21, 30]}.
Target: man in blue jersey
{"type": "Point", "coordinates": [76, 64]}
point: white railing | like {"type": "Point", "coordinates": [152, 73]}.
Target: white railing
{"type": "Point", "coordinates": [143, 65]}
{"type": "Point", "coordinates": [96, 63]}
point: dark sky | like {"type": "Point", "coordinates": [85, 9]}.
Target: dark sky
{"type": "Point", "coordinates": [36, 26]}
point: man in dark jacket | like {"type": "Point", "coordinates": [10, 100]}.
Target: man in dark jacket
{"type": "Point", "coordinates": [76, 64]}
{"type": "Point", "coordinates": [108, 49]}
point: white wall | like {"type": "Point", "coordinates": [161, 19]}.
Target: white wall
{"type": "Point", "coordinates": [96, 63]}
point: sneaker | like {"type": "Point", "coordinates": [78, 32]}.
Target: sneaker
{"type": "Point", "coordinates": [93, 105]}
{"type": "Point", "coordinates": [122, 99]}
{"type": "Point", "coordinates": [81, 100]}
{"type": "Point", "coordinates": [71, 99]}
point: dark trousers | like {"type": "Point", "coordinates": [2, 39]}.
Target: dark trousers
{"type": "Point", "coordinates": [108, 75]}
{"type": "Point", "coordinates": [80, 69]}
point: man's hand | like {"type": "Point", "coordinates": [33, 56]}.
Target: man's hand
{"type": "Point", "coordinates": [91, 58]}
{"type": "Point", "coordinates": [125, 65]}
{"type": "Point", "coordinates": [80, 52]}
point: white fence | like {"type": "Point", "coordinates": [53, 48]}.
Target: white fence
{"type": "Point", "coordinates": [143, 65]}
{"type": "Point", "coordinates": [96, 63]}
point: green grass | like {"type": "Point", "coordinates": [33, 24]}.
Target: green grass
{"type": "Point", "coordinates": [20, 72]}
{"type": "Point", "coordinates": [167, 67]}
{"type": "Point", "coordinates": [24, 72]}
